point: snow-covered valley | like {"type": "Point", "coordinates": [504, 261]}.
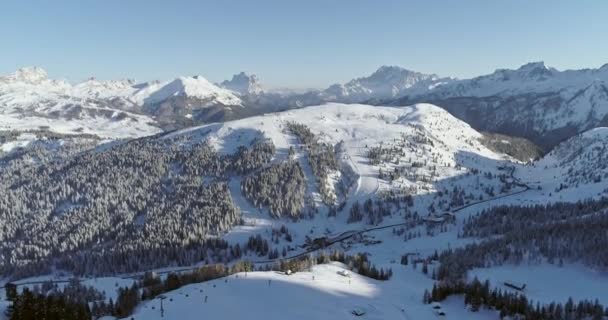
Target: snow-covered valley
{"type": "Point", "coordinates": [384, 182]}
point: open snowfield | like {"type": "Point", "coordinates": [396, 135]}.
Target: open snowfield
{"type": "Point", "coordinates": [132, 127]}
{"type": "Point", "coordinates": [321, 293]}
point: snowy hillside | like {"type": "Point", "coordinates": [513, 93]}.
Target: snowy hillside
{"type": "Point", "coordinates": [395, 186]}
{"type": "Point", "coordinates": [577, 163]}
{"type": "Point", "coordinates": [321, 293]}
{"type": "Point", "coordinates": [417, 147]}
{"type": "Point", "coordinates": [331, 157]}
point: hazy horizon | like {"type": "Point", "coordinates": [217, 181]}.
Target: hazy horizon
{"type": "Point", "coordinates": [296, 45]}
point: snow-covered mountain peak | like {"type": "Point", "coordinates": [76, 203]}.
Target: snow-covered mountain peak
{"type": "Point", "coordinates": [390, 72]}
{"type": "Point", "coordinates": [33, 75]}
{"type": "Point", "coordinates": [535, 65]}
{"type": "Point", "coordinates": [385, 83]}
{"type": "Point", "coordinates": [193, 87]}
{"type": "Point", "coordinates": [397, 76]}
{"type": "Point", "coordinates": [535, 70]}
{"type": "Point", "coordinates": [243, 84]}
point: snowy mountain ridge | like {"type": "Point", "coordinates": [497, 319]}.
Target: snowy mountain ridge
{"type": "Point", "coordinates": [385, 83]}
{"type": "Point", "coordinates": [92, 105]}
{"type": "Point", "coordinates": [536, 102]}
{"type": "Point", "coordinates": [532, 77]}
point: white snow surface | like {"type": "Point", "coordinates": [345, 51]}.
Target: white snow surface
{"type": "Point", "coordinates": [321, 293]}
{"type": "Point", "coordinates": [197, 87]}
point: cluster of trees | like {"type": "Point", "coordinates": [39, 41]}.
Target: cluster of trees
{"type": "Point", "coordinates": [322, 159]}
{"type": "Point", "coordinates": [258, 245]}
{"type": "Point", "coordinates": [99, 211]}
{"type": "Point", "coordinates": [519, 148]}
{"type": "Point", "coordinates": [364, 267]}
{"type": "Point", "coordinates": [151, 289]}
{"type": "Point", "coordinates": [78, 302]}
{"type": "Point", "coordinates": [557, 233]}
{"type": "Point", "coordinates": [505, 219]}
{"type": "Point", "coordinates": [375, 211]}
{"type": "Point", "coordinates": [282, 232]}
{"type": "Point", "coordinates": [48, 301]}
{"type": "Point", "coordinates": [280, 187]}
{"type": "Point", "coordinates": [514, 305]}
{"type": "Point", "coordinates": [358, 263]}
{"type": "Point", "coordinates": [126, 302]}
{"type": "Point", "coordinates": [48, 147]}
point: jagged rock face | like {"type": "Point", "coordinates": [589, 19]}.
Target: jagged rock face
{"type": "Point", "coordinates": [243, 84]}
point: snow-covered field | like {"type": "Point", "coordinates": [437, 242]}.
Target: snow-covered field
{"type": "Point", "coordinates": [321, 293]}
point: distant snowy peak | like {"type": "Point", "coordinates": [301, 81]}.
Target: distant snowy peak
{"type": "Point", "coordinates": [193, 87]}
{"type": "Point", "coordinates": [534, 77]}
{"type": "Point", "coordinates": [385, 83]}
{"type": "Point", "coordinates": [93, 88]}
{"type": "Point", "coordinates": [243, 84]}
{"type": "Point", "coordinates": [32, 75]}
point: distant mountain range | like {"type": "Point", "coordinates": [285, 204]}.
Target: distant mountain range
{"type": "Point", "coordinates": [540, 103]}
{"type": "Point", "coordinates": [535, 102]}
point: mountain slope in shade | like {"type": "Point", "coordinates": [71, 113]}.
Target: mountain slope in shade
{"type": "Point", "coordinates": [579, 161]}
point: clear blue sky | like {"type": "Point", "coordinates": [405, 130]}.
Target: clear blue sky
{"type": "Point", "coordinates": [308, 43]}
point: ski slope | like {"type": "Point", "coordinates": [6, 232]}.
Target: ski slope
{"type": "Point", "coordinates": [320, 293]}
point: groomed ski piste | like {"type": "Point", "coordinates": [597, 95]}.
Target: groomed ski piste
{"type": "Point", "coordinates": [323, 292]}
